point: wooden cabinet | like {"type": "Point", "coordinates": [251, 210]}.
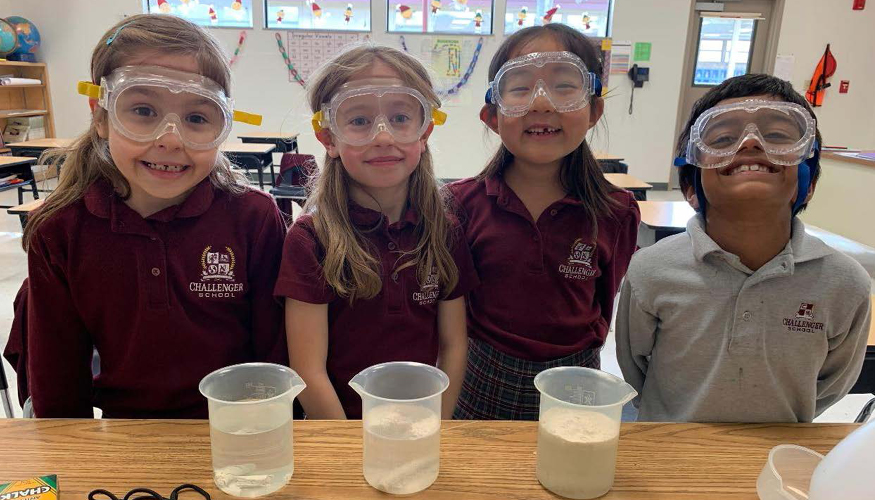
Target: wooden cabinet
{"type": "Point", "coordinates": [26, 100]}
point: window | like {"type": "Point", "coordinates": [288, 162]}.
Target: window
{"type": "Point", "coordinates": [219, 13]}
{"type": "Point", "coordinates": [328, 15]}
{"type": "Point", "coordinates": [458, 17]}
{"type": "Point", "coordinates": [592, 17]}
{"type": "Point", "coordinates": [724, 49]}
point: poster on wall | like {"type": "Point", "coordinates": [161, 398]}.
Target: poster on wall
{"type": "Point", "coordinates": [309, 50]}
{"type": "Point", "coordinates": [621, 57]}
{"type": "Point", "coordinates": [447, 59]}
{"type": "Point", "coordinates": [327, 15]}
{"type": "Point", "coordinates": [462, 17]}
{"type": "Point", "coordinates": [217, 13]}
{"type": "Point", "coordinates": [591, 17]}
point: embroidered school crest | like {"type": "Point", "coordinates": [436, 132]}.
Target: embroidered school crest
{"type": "Point", "coordinates": [217, 278]}
{"type": "Point", "coordinates": [804, 321]}
{"type": "Point", "coordinates": [217, 265]}
{"type": "Point", "coordinates": [806, 311]}
{"type": "Point", "coordinates": [428, 291]}
{"type": "Point", "coordinates": [579, 265]}
{"type": "Point", "coordinates": [581, 253]}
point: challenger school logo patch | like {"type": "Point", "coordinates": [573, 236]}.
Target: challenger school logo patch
{"type": "Point", "coordinates": [804, 321]}
{"type": "Point", "coordinates": [579, 265]}
{"type": "Point", "coordinates": [428, 291]}
{"type": "Point", "coordinates": [217, 274]}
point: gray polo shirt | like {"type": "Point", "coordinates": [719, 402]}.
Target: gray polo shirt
{"type": "Point", "coordinates": [703, 338]}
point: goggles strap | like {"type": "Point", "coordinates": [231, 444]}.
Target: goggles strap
{"type": "Point", "coordinates": [250, 118]}
{"type": "Point", "coordinates": [316, 121]}
{"type": "Point", "coordinates": [88, 89]}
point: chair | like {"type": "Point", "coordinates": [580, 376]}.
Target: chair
{"type": "Point", "coordinates": [613, 167]}
{"type": "Point", "coordinates": [291, 184]}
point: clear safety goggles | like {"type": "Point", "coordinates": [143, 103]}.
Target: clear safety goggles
{"type": "Point", "coordinates": [561, 77]}
{"type": "Point", "coordinates": [146, 102]}
{"type": "Point", "coordinates": [786, 132]}
{"type": "Point", "coordinates": [360, 110]}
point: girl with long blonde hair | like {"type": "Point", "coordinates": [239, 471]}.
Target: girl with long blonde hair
{"type": "Point", "coordinates": [375, 270]}
{"type": "Point", "coordinates": [151, 251]}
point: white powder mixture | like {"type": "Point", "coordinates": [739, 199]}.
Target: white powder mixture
{"type": "Point", "coordinates": [401, 448]}
{"type": "Point", "coordinates": [395, 421]}
{"type": "Point", "coordinates": [577, 452]}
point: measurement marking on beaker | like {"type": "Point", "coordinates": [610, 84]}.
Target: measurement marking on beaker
{"type": "Point", "coordinates": [580, 396]}
{"type": "Point", "coordinates": [260, 391]}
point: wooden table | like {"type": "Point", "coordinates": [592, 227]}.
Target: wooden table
{"type": "Point", "coordinates": [638, 187]}
{"type": "Point", "coordinates": [285, 142]}
{"type": "Point", "coordinates": [20, 166]}
{"type": "Point", "coordinates": [251, 156]}
{"type": "Point", "coordinates": [36, 147]}
{"type": "Point", "coordinates": [479, 460]}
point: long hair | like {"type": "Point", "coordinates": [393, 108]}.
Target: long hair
{"type": "Point", "coordinates": [580, 173]}
{"type": "Point", "coordinates": [88, 159]}
{"type": "Point", "coordinates": [349, 266]}
{"type": "Point", "coordinates": [740, 86]}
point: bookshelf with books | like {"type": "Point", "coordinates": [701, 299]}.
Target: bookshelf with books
{"type": "Point", "coordinates": [25, 102]}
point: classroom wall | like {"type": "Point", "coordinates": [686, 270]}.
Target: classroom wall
{"type": "Point", "coordinates": [645, 139]}
{"type": "Point", "coordinates": [845, 119]}
{"type": "Point", "coordinates": [461, 148]}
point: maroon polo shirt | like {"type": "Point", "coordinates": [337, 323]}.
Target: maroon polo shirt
{"type": "Point", "coordinates": [165, 300]}
{"type": "Point", "coordinates": [546, 288]}
{"type": "Point", "coordinates": [399, 324]}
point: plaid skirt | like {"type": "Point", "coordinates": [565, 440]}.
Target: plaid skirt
{"type": "Point", "coordinates": [498, 386]}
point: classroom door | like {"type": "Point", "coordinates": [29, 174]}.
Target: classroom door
{"type": "Point", "coordinates": [740, 40]}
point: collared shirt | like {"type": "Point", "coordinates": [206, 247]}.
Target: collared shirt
{"type": "Point", "coordinates": [547, 286]}
{"type": "Point", "coordinates": [703, 338]}
{"type": "Point", "coordinates": [399, 324]}
{"type": "Point", "coordinates": [165, 300]}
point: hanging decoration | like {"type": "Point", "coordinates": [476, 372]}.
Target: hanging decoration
{"type": "Point", "coordinates": [239, 46]}
{"type": "Point", "coordinates": [467, 75]}
{"type": "Point", "coordinates": [292, 70]}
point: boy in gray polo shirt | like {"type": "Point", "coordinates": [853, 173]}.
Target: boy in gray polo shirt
{"type": "Point", "coordinates": [744, 317]}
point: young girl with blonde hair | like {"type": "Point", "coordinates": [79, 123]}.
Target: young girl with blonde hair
{"type": "Point", "coordinates": [375, 270]}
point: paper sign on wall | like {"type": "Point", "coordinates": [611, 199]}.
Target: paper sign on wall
{"type": "Point", "coordinates": [642, 51]}
{"type": "Point", "coordinates": [621, 57]}
{"type": "Point", "coordinates": [784, 67]}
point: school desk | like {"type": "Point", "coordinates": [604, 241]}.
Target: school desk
{"type": "Point", "coordinates": [638, 187]}
{"type": "Point", "coordinates": [23, 211]}
{"type": "Point", "coordinates": [285, 142]}
{"type": "Point", "coordinates": [660, 219]}
{"type": "Point", "coordinates": [251, 156]}
{"type": "Point", "coordinates": [36, 147]}
{"type": "Point", "coordinates": [20, 166]}
{"type": "Point", "coordinates": [479, 460]}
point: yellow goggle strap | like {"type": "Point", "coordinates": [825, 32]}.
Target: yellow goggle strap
{"type": "Point", "coordinates": [250, 118]}
{"type": "Point", "coordinates": [317, 121]}
{"type": "Point", "coordinates": [438, 116]}
{"type": "Point", "coordinates": [89, 89]}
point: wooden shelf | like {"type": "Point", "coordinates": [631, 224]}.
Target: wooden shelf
{"type": "Point", "coordinates": [24, 100]}
{"type": "Point", "coordinates": [30, 112]}
{"type": "Point", "coordinates": [35, 85]}
{"type": "Point", "coordinates": [24, 64]}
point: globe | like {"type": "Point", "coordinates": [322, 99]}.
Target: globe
{"type": "Point", "coordinates": [8, 38]}
{"type": "Point", "coordinates": [28, 35]}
